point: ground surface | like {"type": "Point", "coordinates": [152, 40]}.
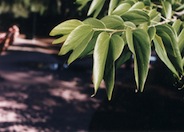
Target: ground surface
{"type": "Point", "coordinates": [38, 94]}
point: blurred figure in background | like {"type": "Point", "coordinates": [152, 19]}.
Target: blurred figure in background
{"type": "Point", "coordinates": [6, 39]}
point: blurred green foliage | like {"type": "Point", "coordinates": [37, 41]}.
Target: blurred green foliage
{"type": "Point", "coordinates": [23, 8]}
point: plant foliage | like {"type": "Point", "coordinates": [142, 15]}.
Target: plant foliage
{"type": "Point", "coordinates": [128, 27]}
{"type": "Point", "coordinates": [22, 8]}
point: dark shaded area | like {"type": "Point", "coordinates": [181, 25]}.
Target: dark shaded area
{"type": "Point", "coordinates": [34, 96]}
{"type": "Point", "coordinates": [158, 108]}
{"type": "Point", "coordinates": [154, 110]}
{"type": "Point", "coordinates": [39, 25]}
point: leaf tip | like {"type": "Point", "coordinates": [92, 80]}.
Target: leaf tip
{"type": "Point", "coordinates": [95, 91]}
{"type": "Point", "coordinates": [109, 97]}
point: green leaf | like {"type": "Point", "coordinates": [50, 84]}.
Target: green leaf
{"type": "Point", "coordinates": [144, 26]}
{"type": "Point", "coordinates": [131, 2]}
{"type": "Point", "coordinates": [180, 8]}
{"type": "Point", "coordinates": [79, 50]}
{"type": "Point", "coordinates": [113, 22]}
{"type": "Point", "coordinates": [95, 23]}
{"type": "Point", "coordinates": [129, 39]}
{"type": "Point", "coordinates": [153, 13]}
{"type": "Point", "coordinates": [126, 55]}
{"type": "Point", "coordinates": [142, 55]}
{"type": "Point", "coordinates": [152, 32]}
{"type": "Point", "coordinates": [109, 73]}
{"type": "Point", "coordinates": [137, 5]}
{"type": "Point", "coordinates": [90, 47]}
{"type": "Point", "coordinates": [161, 52]}
{"type": "Point", "coordinates": [112, 5]}
{"type": "Point", "coordinates": [130, 24]}
{"type": "Point", "coordinates": [115, 49]}
{"type": "Point", "coordinates": [155, 16]}
{"type": "Point", "coordinates": [117, 44]}
{"type": "Point", "coordinates": [65, 27]}
{"type": "Point", "coordinates": [121, 9]}
{"type": "Point", "coordinates": [167, 9]}
{"type": "Point", "coordinates": [109, 79]}
{"type": "Point", "coordinates": [136, 16]}
{"type": "Point", "coordinates": [82, 3]}
{"type": "Point", "coordinates": [169, 37]}
{"type": "Point", "coordinates": [99, 58]}
{"type": "Point", "coordinates": [183, 61]}
{"type": "Point", "coordinates": [75, 38]}
{"type": "Point", "coordinates": [60, 40]}
{"type": "Point", "coordinates": [139, 45]}
{"type": "Point", "coordinates": [181, 40]}
{"type": "Point", "coordinates": [96, 7]}
{"type": "Point", "coordinates": [97, 11]}
{"type": "Point", "coordinates": [177, 25]}
{"type": "Point", "coordinates": [147, 2]}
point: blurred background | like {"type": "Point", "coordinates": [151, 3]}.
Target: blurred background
{"type": "Point", "coordinates": [40, 93]}
{"type": "Point", "coordinates": [36, 17]}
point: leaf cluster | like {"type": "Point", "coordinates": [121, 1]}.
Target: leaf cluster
{"type": "Point", "coordinates": [130, 28]}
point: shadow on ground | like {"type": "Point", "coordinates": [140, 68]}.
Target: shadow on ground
{"type": "Point", "coordinates": [36, 97]}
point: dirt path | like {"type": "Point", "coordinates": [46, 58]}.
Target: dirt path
{"type": "Point", "coordinates": [38, 94]}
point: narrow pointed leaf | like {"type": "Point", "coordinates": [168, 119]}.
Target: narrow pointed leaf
{"type": "Point", "coordinates": [136, 16]}
{"type": "Point", "coordinates": [75, 38]}
{"type": "Point", "coordinates": [129, 39]}
{"type": "Point", "coordinates": [181, 40]}
{"type": "Point", "coordinates": [97, 11]}
{"type": "Point", "coordinates": [109, 74]}
{"type": "Point", "coordinates": [90, 46]}
{"type": "Point", "coordinates": [110, 80]}
{"type": "Point", "coordinates": [93, 6]}
{"type": "Point", "coordinates": [152, 32]}
{"type": "Point", "coordinates": [96, 5]}
{"type": "Point", "coordinates": [137, 5]}
{"type": "Point", "coordinates": [65, 27]}
{"type": "Point", "coordinates": [116, 46]}
{"type": "Point", "coordinates": [131, 2]}
{"type": "Point", "coordinates": [177, 25]}
{"type": "Point", "coordinates": [169, 37]}
{"type": "Point", "coordinates": [82, 3]}
{"type": "Point", "coordinates": [161, 52]}
{"type": "Point", "coordinates": [112, 5]}
{"type": "Point", "coordinates": [142, 55]}
{"type": "Point", "coordinates": [121, 9]}
{"type": "Point", "coordinates": [155, 16]}
{"type": "Point", "coordinates": [130, 24]}
{"type": "Point", "coordinates": [113, 22]}
{"type": "Point", "coordinates": [60, 40]}
{"type": "Point", "coordinates": [181, 7]}
{"type": "Point", "coordinates": [99, 58]}
{"type": "Point", "coordinates": [167, 9]}
{"type": "Point", "coordinates": [139, 44]}
{"type": "Point", "coordinates": [95, 23]}
{"type": "Point", "coordinates": [153, 13]}
{"type": "Point", "coordinates": [78, 50]}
